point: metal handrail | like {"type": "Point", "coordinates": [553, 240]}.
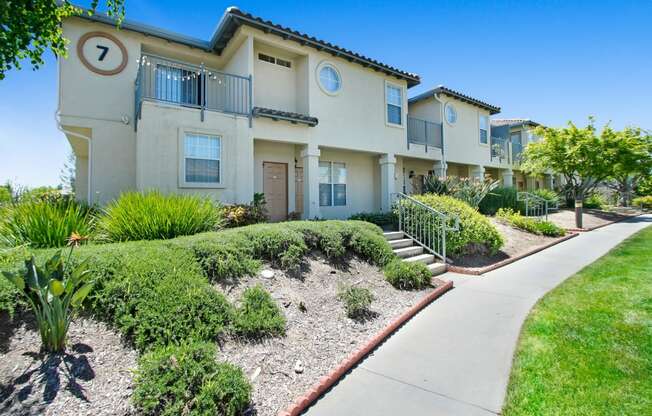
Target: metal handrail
{"type": "Point", "coordinates": [535, 206]}
{"type": "Point", "coordinates": [425, 225]}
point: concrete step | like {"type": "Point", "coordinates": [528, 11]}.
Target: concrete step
{"type": "Point", "coordinates": [408, 251]}
{"type": "Point", "coordinates": [437, 268]}
{"type": "Point", "coordinates": [423, 258]}
{"type": "Point", "coordinates": [403, 242]}
{"type": "Point", "coordinates": [393, 235]}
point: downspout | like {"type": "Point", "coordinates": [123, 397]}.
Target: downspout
{"type": "Point", "coordinates": [443, 141]}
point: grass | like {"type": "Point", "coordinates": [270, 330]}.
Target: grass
{"type": "Point", "coordinates": [586, 348]}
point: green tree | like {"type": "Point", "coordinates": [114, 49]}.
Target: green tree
{"type": "Point", "coordinates": [29, 27]}
{"type": "Point", "coordinates": [632, 162]}
{"type": "Point", "coordinates": [583, 157]}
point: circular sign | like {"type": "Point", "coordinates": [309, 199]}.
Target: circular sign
{"type": "Point", "coordinates": [102, 53]}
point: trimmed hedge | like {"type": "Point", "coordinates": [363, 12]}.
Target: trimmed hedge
{"type": "Point", "coordinates": [186, 379]}
{"type": "Point", "coordinates": [379, 218]}
{"type": "Point", "coordinates": [476, 233]}
{"type": "Point", "coordinates": [408, 275]}
{"type": "Point", "coordinates": [529, 224]}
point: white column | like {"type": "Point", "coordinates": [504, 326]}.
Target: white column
{"type": "Point", "coordinates": [549, 182]}
{"type": "Point", "coordinates": [440, 167]}
{"type": "Point", "coordinates": [310, 156]}
{"type": "Point", "coordinates": [508, 178]}
{"type": "Point", "coordinates": [387, 181]}
{"type": "Point", "coordinates": [477, 173]}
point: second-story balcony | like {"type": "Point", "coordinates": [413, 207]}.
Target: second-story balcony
{"type": "Point", "coordinates": [425, 133]}
{"type": "Point", "coordinates": [499, 148]}
{"type": "Point", "coordinates": [195, 86]}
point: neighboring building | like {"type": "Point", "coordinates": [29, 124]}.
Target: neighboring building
{"type": "Point", "coordinates": [319, 129]}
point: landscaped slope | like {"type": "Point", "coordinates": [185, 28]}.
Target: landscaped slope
{"type": "Point", "coordinates": [586, 348]}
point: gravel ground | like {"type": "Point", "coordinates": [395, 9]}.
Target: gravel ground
{"type": "Point", "coordinates": [516, 242]}
{"type": "Point", "coordinates": [565, 218]}
{"type": "Point", "coordinates": [93, 377]}
{"type": "Point", "coordinates": [319, 337]}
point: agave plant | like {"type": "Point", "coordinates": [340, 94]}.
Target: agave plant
{"type": "Point", "coordinates": [53, 292]}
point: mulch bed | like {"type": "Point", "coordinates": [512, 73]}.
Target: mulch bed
{"type": "Point", "coordinates": [93, 377]}
{"type": "Point", "coordinates": [591, 219]}
{"type": "Point", "coordinates": [518, 244]}
{"type": "Point", "coordinates": [319, 334]}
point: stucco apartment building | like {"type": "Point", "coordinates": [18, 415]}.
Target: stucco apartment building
{"type": "Point", "coordinates": [319, 129]}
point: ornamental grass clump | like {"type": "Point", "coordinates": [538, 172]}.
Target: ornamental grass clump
{"type": "Point", "coordinates": [53, 291]}
{"type": "Point", "coordinates": [154, 216]}
{"type": "Point", "coordinates": [357, 300]}
{"type": "Point", "coordinates": [44, 222]}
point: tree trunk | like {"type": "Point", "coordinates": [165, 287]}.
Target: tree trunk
{"type": "Point", "coordinates": [578, 212]}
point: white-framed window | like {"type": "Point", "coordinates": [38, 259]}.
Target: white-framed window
{"type": "Point", "coordinates": [329, 78]}
{"type": "Point", "coordinates": [332, 184]}
{"type": "Point", "coordinates": [202, 158]}
{"type": "Point", "coordinates": [484, 129]}
{"type": "Point", "coordinates": [450, 113]}
{"type": "Point", "coordinates": [394, 99]}
{"type": "Point", "coordinates": [274, 60]}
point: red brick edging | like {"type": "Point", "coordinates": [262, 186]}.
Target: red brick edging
{"type": "Point", "coordinates": [477, 272]}
{"type": "Point", "coordinates": [582, 230]}
{"type": "Point", "coordinates": [302, 403]}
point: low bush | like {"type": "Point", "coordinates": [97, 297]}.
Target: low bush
{"type": "Point", "coordinates": [381, 219]}
{"type": "Point", "coordinates": [471, 191]}
{"type": "Point", "coordinates": [246, 214]}
{"type": "Point", "coordinates": [501, 197]}
{"type": "Point", "coordinates": [357, 300]}
{"type": "Point", "coordinates": [186, 379]}
{"type": "Point", "coordinates": [153, 216]}
{"type": "Point", "coordinates": [529, 224]}
{"type": "Point", "coordinates": [476, 234]}
{"type": "Point", "coordinates": [44, 223]}
{"type": "Point", "coordinates": [595, 201]}
{"type": "Point", "coordinates": [11, 300]}
{"type": "Point", "coordinates": [546, 194]}
{"type": "Point", "coordinates": [407, 275]}
{"type": "Point", "coordinates": [258, 315]}
{"type": "Point", "coordinates": [644, 201]}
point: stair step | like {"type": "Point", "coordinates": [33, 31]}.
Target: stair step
{"type": "Point", "coordinates": [393, 235]}
{"type": "Point", "coordinates": [423, 258]}
{"type": "Point", "coordinates": [437, 268]}
{"type": "Point", "coordinates": [403, 242]}
{"type": "Point", "coordinates": [408, 251]}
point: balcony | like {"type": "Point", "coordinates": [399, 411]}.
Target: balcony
{"type": "Point", "coordinates": [193, 86]}
{"type": "Point", "coordinates": [499, 148]}
{"type": "Point", "coordinates": [425, 133]}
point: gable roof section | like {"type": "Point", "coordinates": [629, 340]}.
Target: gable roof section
{"type": "Point", "coordinates": [455, 94]}
{"type": "Point", "coordinates": [233, 18]}
{"type": "Point", "coordinates": [514, 122]}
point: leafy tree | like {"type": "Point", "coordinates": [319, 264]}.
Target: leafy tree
{"type": "Point", "coordinates": [29, 27]}
{"type": "Point", "coordinates": [583, 157]}
{"type": "Point", "coordinates": [632, 163]}
{"type": "Point", "coordinates": [67, 175]}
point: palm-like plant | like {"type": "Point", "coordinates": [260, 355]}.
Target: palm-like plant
{"type": "Point", "coordinates": [53, 292]}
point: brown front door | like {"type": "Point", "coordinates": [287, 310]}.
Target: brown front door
{"type": "Point", "coordinates": [275, 187]}
{"type": "Point", "coordinates": [298, 190]}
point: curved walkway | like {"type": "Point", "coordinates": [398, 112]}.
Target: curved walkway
{"type": "Point", "coordinates": [455, 356]}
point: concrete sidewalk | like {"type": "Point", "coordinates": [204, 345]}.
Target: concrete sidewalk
{"type": "Point", "coordinates": [454, 357]}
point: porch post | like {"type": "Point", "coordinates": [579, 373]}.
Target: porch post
{"type": "Point", "coordinates": [477, 173]}
{"type": "Point", "coordinates": [440, 167]}
{"type": "Point", "coordinates": [549, 181]}
{"type": "Point", "coordinates": [387, 169]}
{"type": "Point", "coordinates": [310, 155]}
{"type": "Point", "coordinates": [508, 178]}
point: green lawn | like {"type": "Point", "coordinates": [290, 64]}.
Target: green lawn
{"type": "Point", "coordinates": [586, 348]}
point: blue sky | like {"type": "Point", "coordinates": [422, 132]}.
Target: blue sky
{"type": "Point", "coordinates": [551, 61]}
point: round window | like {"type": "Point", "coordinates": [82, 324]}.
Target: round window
{"type": "Point", "coordinates": [329, 79]}
{"type": "Point", "coordinates": [451, 113]}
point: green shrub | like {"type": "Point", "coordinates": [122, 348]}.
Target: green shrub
{"type": "Point", "coordinates": [476, 234]}
{"type": "Point", "coordinates": [471, 191]}
{"type": "Point", "coordinates": [10, 298]}
{"type": "Point", "coordinates": [153, 216]}
{"type": "Point", "coordinates": [357, 300]}
{"type": "Point", "coordinates": [501, 197]}
{"type": "Point", "coordinates": [381, 219]}
{"type": "Point", "coordinates": [5, 194]}
{"type": "Point", "coordinates": [186, 379]}
{"type": "Point", "coordinates": [407, 275]}
{"type": "Point", "coordinates": [644, 201]}
{"type": "Point", "coordinates": [531, 225]}
{"type": "Point", "coordinates": [547, 194]}
{"type": "Point", "coordinates": [225, 259]}
{"type": "Point", "coordinates": [258, 315]}
{"type": "Point", "coordinates": [595, 201]}
{"type": "Point", "coordinates": [43, 223]}
{"type": "Point", "coordinates": [240, 215]}
{"type": "Point", "coordinates": [280, 245]}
